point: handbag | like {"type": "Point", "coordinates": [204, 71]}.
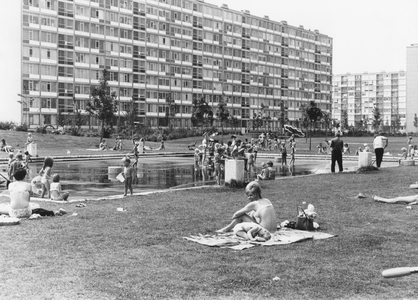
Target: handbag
{"type": "Point", "coordinates": [304, 222]}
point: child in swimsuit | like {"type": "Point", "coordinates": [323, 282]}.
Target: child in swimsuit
{"type": "Point", "coordinates": [251, 231]}
{"type": "Point", "coordinates": [128, 174]}
{"type": "Point", "coordinates": [45, 172]}
{"type": "Point", "coordinates": [56, 191]}
{"type": "Point", "coordinates": [20, 196]}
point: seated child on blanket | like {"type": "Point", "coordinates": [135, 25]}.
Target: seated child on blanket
{"type": "Point", "coordinates": [252, 231]}
{"type": "Point", "coordinates": [56, 191]}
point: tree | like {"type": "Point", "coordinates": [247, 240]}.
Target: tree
{"type": "Point", "coordinates": [131, 116]}
{"type": "Point", "coordinates": [222, 114]}
{"type": "Point", "coordinates": [256, 121]}
{"type": "Point", "coordinates": [416, 121]}
{"type": "Point", "coordinates": [233, 121]}
{"type": "Point", "coordinates": [171, 111]}
{"type": "Point", "coordinates": [344, 119]}
{"type": "Point", "coordinates": [327, 121]}
{"type": "Point", "coordinates": [77, 120]}
{"type": "Point", "coordinates": [314, 114]}
{"type": "Point", "coordinates": [376, 117]}
{"type": "Point", "coordinates": [305, 122]}
{"type": "Point", "coordinates": [396, 122]}
{"type": "Point", "coordinates": [102, 104]}
{"type": "Point", "coordinates": [202, 113]}
{"type": "Point", "coordinates": [61, 121]}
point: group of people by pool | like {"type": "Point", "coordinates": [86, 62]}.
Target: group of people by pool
{"type": "Point", "coordinates": [210, 156]}
{"type": "Point", "coordinates": [44, 184]}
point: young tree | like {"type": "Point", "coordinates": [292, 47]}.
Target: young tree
{"type": "Point", "coordinates": [256, 121]}
{"type": "Point", "coordinates": [202, 113]}
{"type": "Point", "coordinates": [233, 121]}
{"type": "Point", "coordinates": [61, 120]}
{"type": "Point", "coordinates": [102, 104]}
{"type": "Point", "coordinates": [416, 121]}
{"type": "Point", "coordinates": [376, 117]}
{"type": "Point", "coordinates": [171, 111]}
{"type": "Point", "coordinates": [77, 120]}
{"type": "Point", "coordinates": [314, 114]}
{"type": "Point", "coordinates": [395, 122]}
{"type": "Point", "coordinates": [131, 116]}
{"type": "Point", "coordinates": [222, 114]}
{"type": "Point", "coordinates": [327, 121]}
{"type": "Point", "coordinates": [344, 119]}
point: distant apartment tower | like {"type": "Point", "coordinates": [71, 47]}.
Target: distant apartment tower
{"type": "Point", "coordinates": [358, 94]}
{"type": "Point", "coordinates": [412, 88]}
{"type": "Point", "coordinates": [168, 50]}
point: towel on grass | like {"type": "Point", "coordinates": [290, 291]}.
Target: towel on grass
{"type": "Point", "coordinates": [282, 236]}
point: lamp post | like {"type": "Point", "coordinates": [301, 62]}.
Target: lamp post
{"type": "Point", "coordinates": [25, 103]}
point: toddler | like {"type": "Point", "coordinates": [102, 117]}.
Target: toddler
{"type": "Point", "coordinates": [128, 174]}
{"type": "Point", "coordinates": [264, 174]}
{"type": "Point", "coordinates": [45, 172]}
{"type": "Point", "coordinates": [252, 231]}
{"type": "Point", "coordinates": [56, 191]}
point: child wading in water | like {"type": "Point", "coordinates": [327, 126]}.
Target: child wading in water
{"type": "Point", "coordinates": [56, 191]}
{"type": "Point", "coordinates": [128, 174]}
{"type": "Point", "coordinates": [45, 172]}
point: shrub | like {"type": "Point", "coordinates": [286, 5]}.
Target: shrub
{"type": "Point", "coordinates": [7, 125]}
{"type": "Point", "coordinates": [22, 127]}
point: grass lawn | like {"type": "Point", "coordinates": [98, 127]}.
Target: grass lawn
{"type": "Point", "coordinates": [139, 254]}
{"type": "Point", "coordinates": [57, 145]}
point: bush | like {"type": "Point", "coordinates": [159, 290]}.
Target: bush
{"type": "Point", "coordinates": [22, 127]}
{"type": "Point", "coordinates": [41, 129]}
{"type": "Point", "coordinates": [92, 133]}
{"type": "Point", "coordinates": [7, 125]}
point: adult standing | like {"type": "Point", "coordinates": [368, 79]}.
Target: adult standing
{"type": "Point", "coordinates": [380, 142]}
{"type": "Point", "coordinates": [336, 147]}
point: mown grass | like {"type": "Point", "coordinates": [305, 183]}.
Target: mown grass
{"type": "Point", "coordinates": [140, 254]}
{"type": "Point", "coordinates": [57, 145]}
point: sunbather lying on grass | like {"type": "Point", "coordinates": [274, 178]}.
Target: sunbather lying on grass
{"type": "Point", "coordinates": [403, 199]}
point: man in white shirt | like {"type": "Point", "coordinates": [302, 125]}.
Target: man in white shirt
{"type": "Point", "coordinates": [379, 144]}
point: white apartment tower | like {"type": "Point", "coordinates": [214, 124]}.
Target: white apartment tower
{"type": "Point", "coordinates": [180, 50]}
{"type": "Point", "coordinates": [358, 94]}
{"type": "Point", "coordinates": [412, 87]}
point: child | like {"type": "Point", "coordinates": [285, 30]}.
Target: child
{"type": "Point", "coordinates": [196, 158]}
{"type": "Point", "coordinates": [284, 154]}
{"type": "Point", "coordinates": [45, 172]}
{"type": "Point", "coordinates": [16, 164]}
{"type": "Point", "coordinates": [346, 149]}
{"type": "Point", "coordinates": [136, 153]}
{"type": "Point", "coordinates": [162, 147]}
{"type": "Point", "coordinates": [56, 192]}
{"type": "Point", "coordinates": [29, 140]}
{"type": "Point", "coordinates": [292, 154]}
{"type": "Point", "coordinates": [264, 172]}
{"type": "Point", "coordinates": [358, 151]}
{"type": "Point", "coordinates": [217, 164]}
{"type": "Point", "coordinates": [20, 195]}
{"type": "Point", "coordinates": [250, 162]}
{"type": "Point", "coordinates": [128, 174]}
{"type": "Point", "coordinates": [252, 231]}
{"type": "Point", "coordinates": [103, 145]}
{"type": "Point", "coordinates": [404, 155]}
{"type": "Point", "coordinates": [271, 171]}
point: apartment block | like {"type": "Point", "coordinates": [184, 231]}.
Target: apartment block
{"type": "Point", "coordinates": [412, 87]}
{"type": "Point", "coordinates": [169, 50]}
{"type": "Point", "coordinates": [358, 94]}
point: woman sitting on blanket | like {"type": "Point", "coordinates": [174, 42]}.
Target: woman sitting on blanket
{"type": "Point", "coordinates": [259, 210]}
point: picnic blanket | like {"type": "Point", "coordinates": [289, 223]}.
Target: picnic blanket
{"type": "Point", "coordinates": [282, 236]}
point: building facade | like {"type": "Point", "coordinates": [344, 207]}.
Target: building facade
{"type": "Point", "coordinates": [168, 50]}
{"type": "Point", "coordinates": [355, 96]}
{"type": "Point", "coordinates": [412, 88]}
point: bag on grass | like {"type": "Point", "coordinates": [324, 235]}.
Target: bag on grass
{"type": "Point", "coordinates": [304, 222]}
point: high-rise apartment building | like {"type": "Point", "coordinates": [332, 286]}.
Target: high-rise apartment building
{"type": "Point", "coordinates": [355, 95]}
{"type": "Point", "coordinates": [412, 87]}
{"type": "Point", "coordinates": [163, 50]}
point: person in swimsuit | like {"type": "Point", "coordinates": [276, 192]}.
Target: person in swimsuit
{"type": "Point", "coordinates": [56, 190]}
{"type": "Point", "coordinates": [260, 211]}
{"type": "Point", "coordinates": [251, 231]}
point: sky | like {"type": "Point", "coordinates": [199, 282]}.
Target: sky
{"type": "Point", "coordinates": [368, 35]}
